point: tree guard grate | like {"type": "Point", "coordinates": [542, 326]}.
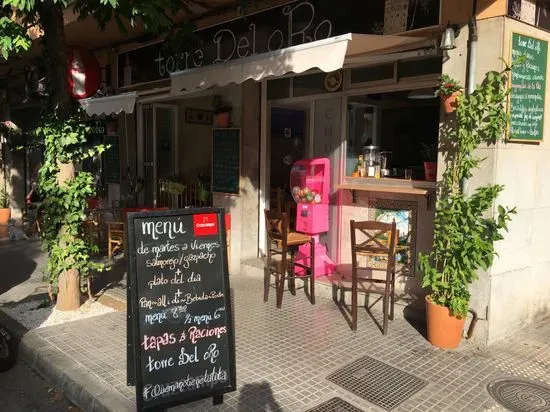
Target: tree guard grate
{"type": "Point", "coordinates": [335, 405]}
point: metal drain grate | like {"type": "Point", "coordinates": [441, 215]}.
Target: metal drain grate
{"type": "Point", "coordinates": [520, 395]}
{"type": "Point", "coordinates": [377, 382]}
{"type": "Point", "coordinates": [335, 405]}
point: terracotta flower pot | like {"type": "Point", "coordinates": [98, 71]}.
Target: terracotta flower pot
{"type": "Point", "coordinates": [449, 102]}
{"type": "Point", "coordinates": [444, 330]}
{"type": "Point", "coordinates": [5, 214]}
{"type": "Point", "coordinates": [430, 171]}
{"type": "Point", "coordinates": [222, 119]}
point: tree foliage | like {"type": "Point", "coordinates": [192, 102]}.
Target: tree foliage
{"type": "Point", "coordinates": [63, 132]}
{"type": "Point", "coordinates": [63, 230]}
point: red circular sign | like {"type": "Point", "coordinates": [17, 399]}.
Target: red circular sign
{"type": "Point", "coordinates": [84, 73]}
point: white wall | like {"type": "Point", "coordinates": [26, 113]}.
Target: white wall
{"type": "Point", "coordinates": [520, 281]}
{"type": "Point", "coordinates": [194, 140]}
{"type": "Point", "coordinates": [244, 208]}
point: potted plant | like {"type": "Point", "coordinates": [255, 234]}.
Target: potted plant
{"type": "Point", "coordinates": [429, 152]}
{"type": "Point", "coordinates": [464, 229]}
{"type": "Point", "coordinates": [5, 211]}
{"type": "Point", "coordinates": [448, 90]}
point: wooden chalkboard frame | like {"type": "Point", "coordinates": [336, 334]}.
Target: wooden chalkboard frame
{"type": "Point", "coordinates": [240, 159]}
{"type": "Point", "coordinates": [133, 317]}
{"type": "Point", "coordinates": [508, 138]}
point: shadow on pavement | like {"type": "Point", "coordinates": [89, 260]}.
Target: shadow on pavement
{"type": "Point", "coordinates": [257, 397]}
{"type": "Point", "coordinates": [114, 278]}
{"type": "Point", "coordinates": [411, 316]}
{"type": "Point", "coordinates": [18, 262]}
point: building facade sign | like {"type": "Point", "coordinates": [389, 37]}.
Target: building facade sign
{"type": "Point", "coordinates": [274, 29]}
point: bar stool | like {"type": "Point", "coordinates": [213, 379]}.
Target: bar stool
{"type": "Point", "coordinates": [281, 242]}
{"type": "Point", "coordinates": [378, 241]}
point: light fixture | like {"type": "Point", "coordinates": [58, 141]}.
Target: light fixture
{"type": "Point", "coordinates": [449, 36]}
{"type": "Point", "coordinates": [422, 94]}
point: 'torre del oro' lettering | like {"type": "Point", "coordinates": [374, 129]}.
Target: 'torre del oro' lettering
{"type": "Point", "coordinates": [301, 27]}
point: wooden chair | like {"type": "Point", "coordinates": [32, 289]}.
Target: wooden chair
{"type": "Point", "coordinates": [378, 241]}
{"type": "Point", "coordinates": [276, 199]}
{"type": "Point", "coordinates": [283, 242]}
{"type": "Point", "coordinates": [198, 195]}
{"type": "Point", "coordinates": [94, 227]}
{"type": "Point", "coordinates": [290, 210]}
{"type": "Point", "coordinates": [115, 238]}
{"type": "Point", "coordinates": [117, 230]}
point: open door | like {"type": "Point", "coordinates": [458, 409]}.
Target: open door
{"type": "Point", "coordinates": [288, 142]}
{"type": "Point", "coordinates": [159, 123]}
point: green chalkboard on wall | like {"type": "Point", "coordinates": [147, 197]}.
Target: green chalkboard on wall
{"type": "Point", "coordinates": [112, 160]}
{"type": "Point", "coordinates": [226, 160]}
{"type": "Point", "coordinates": [528, 88]}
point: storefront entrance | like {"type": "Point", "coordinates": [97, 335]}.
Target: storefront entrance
{"type": "Point", "coordinates": [303, 129]}
{"type": "Point", "coordinates": [288, 142]}
{"type": "Point", "coordinates": [160, 147]}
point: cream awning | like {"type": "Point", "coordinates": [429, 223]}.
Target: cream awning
{"type": "Point", "coordinates": [327, 55]}
{"type": "Point", "coordinates": [98, 106]}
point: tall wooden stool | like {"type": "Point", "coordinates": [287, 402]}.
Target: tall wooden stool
{"type": "Point", "coordinates": [378, 241]}
{"type": "Point", "coordinates": [282, 242]}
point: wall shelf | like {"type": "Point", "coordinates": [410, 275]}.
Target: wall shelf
{"type": "Point", "coordinates": [389, 185]}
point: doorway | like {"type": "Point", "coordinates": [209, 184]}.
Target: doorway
{"type": "Point", "coordinates": [160, 147]}
{"type": "Point", "coordinates": [320, 122]}
{"type": "Point", "coordinates": [288, 142]}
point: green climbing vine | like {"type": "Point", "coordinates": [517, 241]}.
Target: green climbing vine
{"type": "Point", "coordinates": [465, 231]}
{"type": "Point", "coordinates": [63, 228]}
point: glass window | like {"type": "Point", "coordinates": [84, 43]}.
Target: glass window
{"type": "Point", "coordinates": [361, 132]}
{"type": "Point", "coordinates": [421, 67]}
{"type": "Point", "coordinates": [372, 73]}
{"type": "Point", "coordinates": [394, 124]}
{"type": "Point", "coordinates": [278, 89]}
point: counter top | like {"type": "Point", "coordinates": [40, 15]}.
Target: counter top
{"type": "Point", "coordinates": [388, 185]}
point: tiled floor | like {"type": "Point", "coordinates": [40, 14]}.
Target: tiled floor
{"type": "Point", "coordinates": [284, 356]}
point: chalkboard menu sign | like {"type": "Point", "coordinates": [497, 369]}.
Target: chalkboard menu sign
{"type": "Point", "coordinates": [226, 160]}
{"type": "Point", "coordinates": [112, 160]}
{"type": "Point", "coordinates": [528, 88]}
{"type": "Point", "coordinates": [182, 330]}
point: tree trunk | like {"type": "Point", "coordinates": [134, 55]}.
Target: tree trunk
{"type": "Point", "coordinates": [51, 18]}
{"type": "Point", "coordinates": [55, 54]}
{"type": "Point", "coordinates": [68, 298]}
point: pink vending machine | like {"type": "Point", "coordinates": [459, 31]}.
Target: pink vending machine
{"type": "Point", "coordinates": [309, 180]}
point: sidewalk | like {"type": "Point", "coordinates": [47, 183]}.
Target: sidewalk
{"type": "Point", "coordinates": [285, 357]}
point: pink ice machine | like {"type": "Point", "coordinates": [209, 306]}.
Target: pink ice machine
{"type": "Point", "coordinates": [309, 180]}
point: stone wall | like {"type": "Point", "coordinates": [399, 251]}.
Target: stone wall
{"type": "Point", "coordinates": [516, 289]}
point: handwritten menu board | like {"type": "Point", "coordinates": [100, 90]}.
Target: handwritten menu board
{"type": "Point", "coordinates": [226, 160]}
{"type": "Point", "coordinates": [182, 330]}
{"type": "Point", "coordinates": [112, 160]}
{"type": "Point", "coordinates": [528, 88]}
